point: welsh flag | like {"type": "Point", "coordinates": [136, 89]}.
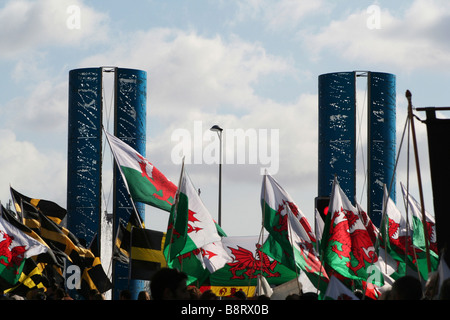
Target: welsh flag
{"type": "Point", "coordinates": [385, 263]}
{"type": "Point", "coordinates": [418, 238]}
{"type": "Point", "coordinates": [247, 262]}
{"type": "Point", "coordinates": [396, 236]}
{"type": "Point", "coordinates": [200, 263]}
{"type": "Point", "coordinates": [292, 240]}
{"type": "Point", "coordinates": [192, 232]}
{"type": "Point", "coordinates": [144, 181]}
{"type": "Point", "coordinates": [346, 245]}
{"type": "Point", "coordinates": [15, 248]}
{"type": "Point", "coordinates": [338, 291]}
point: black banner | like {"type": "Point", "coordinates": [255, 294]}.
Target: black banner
{"type": "Point", "coordinates": [438, 131]}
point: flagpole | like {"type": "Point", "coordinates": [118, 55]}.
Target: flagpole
{"type": "Point", "coordinates": [321, 251]}
{"type": "Point", "coordinates": [261, 233]}
{"type": "Point", "coordinates": [383, 224]}
{"type": "Point", "coordinates": [288, 210]}
{"type": "Point", "coordinates": [123, 178]}
{"type": "Point", "coordinates": [129, 195]}
{"type": "Point", "coordinates": [419, 179]}
{"type": "Point", "coordinates": [406, 204]}
{"type": "Point", "coordinates": [263, 220]}
{"type": "Point", "coordinates": [175, 206]}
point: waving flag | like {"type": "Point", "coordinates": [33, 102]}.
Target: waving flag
{"type": "Point", "coordinates": [338, 291]}
{"type": "Point", "coordinates": [289, 228]}
{"type": "Point", "coordinates": [146, 253]}
{"type": "Point", "coordinates": [347, 246]}
{"type": "Point", "coordinates": [190, 223]}
{"type": "Point", "coordinates": [15, 247]}
{"type": "Point", "coordinates": [192, 239]}
{"type": "Point", "coordinates": [418, 238]}
{"type": "Point", "coordinates": [144, 181]}
{"type": "Point", "coordinates": [51, 209]}
{"type": "Point", "coordinates": [396, 237]}
{"type": "Point", "coordinates": [248, 262]}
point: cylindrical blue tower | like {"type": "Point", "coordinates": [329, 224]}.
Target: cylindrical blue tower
{"type": "Point", "coordinates": [84, 157]}
{"type": "Point", "coordinates": [337, 132]}
{"type": "Point", "coordinates": [84, 164]}
{"type": "Point", "coordinates": [130, 127]}
{"type": "Point", "coordinates": [381, 140]}
{"type": "Point", "coordinates": [337, 136]}
{"type": "Point", "coordinates": [84, 160]}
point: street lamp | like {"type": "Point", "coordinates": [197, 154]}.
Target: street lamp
{"type": "Point", "coordinates": [219, 130]}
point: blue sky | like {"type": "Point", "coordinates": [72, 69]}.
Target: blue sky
{"type": "Point", "coordinates": [241, 64]}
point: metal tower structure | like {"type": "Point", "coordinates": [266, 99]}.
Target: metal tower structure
{"type": "Point", "coordinates": [338, 134]}
{"type": "Point", "coordinates": [84, 164]}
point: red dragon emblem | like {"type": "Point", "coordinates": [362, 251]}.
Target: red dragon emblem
{"type": "Point", "coordinates": [165, 189]}
{"type": "Point", "coordinates": [400, 243]}
{"type": "Point", "coordinates": [282, 225]}
{"type": "Point", "coordinates": [190, 226]}
{"type": "Point", "coordinates": [205, 253]}
{"type": "Point", "coordinates": [432, 237]}
{"type": "Point", "coordinates": [356, 244]}
{"type": "Point", "coordinates": [10, 258]}
{"type": "Point", "coordinates": [191, 222]}
{"type": "Point", "coordinates": [244, 260]}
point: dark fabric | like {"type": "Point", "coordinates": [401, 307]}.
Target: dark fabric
{"type": "Point", "coordinates": [438, 131]}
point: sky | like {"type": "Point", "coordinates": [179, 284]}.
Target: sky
{"type": "Point", "coordinates": [249, 66]}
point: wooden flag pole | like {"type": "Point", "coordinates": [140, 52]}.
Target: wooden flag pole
{"type": "Point", "coordinates": [419, 179]}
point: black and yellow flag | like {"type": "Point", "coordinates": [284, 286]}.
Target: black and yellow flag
{"type": "Point", "coordinates": [63, 243]}
{"type": "Point", "coordinates": [94, 276]}
{"type": "Point", "coordinates": [121, 248]}
{"type": "Point", "coordinates": [32, 277]}
{"type": "Point", "coordinates": [51, 209]}
{"type": "Point", "coordinates": [47, 257]}
{"type": "Point", "coordinates": [147, 254]}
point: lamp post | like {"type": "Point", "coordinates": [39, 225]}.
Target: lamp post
{"type": "Point", "coordinates": [219, 130]}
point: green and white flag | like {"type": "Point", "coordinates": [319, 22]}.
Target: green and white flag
{"type": "Point", "coordinates": [338, 291]}
{"type": "Point", "coordinates": [292, 240]}
{"type": "Point", "coordinates": [191, 227]}
{"type": "Point", "coordinates": [15, 248]}
{"type": "Point", "coordinates": [346, 245]}
{"type": "Point", "coordinates": [418, 237]}
{"type": "Point", "coordinates": [144, 181]}
{"type": "Point", "coordinates": [248, 262]}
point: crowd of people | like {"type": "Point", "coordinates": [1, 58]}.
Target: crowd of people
{"type": "Point", "coordinates": [170, 284]}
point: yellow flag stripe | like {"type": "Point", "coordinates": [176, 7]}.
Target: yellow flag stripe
{"type": "Point", "coordinates": [148, 255]}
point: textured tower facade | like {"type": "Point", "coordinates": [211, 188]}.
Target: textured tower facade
{"type": "Point", "coordinates": [337, 136]}
{"type": "Point", "coordinates": [381, 141]}
{"type": "Point", "coordinates": [84, 161]}
{"type": "Point", "coordinates": [337, 132]}
{"type": "Point", "coordinates": [84, 164]}
{"type": "Point", "coordinates": [130, 127]}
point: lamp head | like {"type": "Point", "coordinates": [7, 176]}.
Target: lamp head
{"type": "Point", "coordinates": [216, 128]}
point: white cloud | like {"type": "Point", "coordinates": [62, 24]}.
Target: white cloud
{"type": "Point", "coordinates": [30, 25]}
{"type": "Point", "coordinates": [30, 171]}
{"type": "Point", "coordinates": [191, 73]}
{"type": "Point", "coordinates": [212, 79]}
{"type": "Point", "coordinates": [416, 39]}
{"type": "Point", "coordinates": [288, 13]}
{"type": "Point", "coordinates": [277, 15]}
{"type": "Point", "coordinates": [43, 109]}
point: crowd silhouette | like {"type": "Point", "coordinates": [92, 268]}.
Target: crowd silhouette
{"type": "Point", "coordinates": [170, 284]}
